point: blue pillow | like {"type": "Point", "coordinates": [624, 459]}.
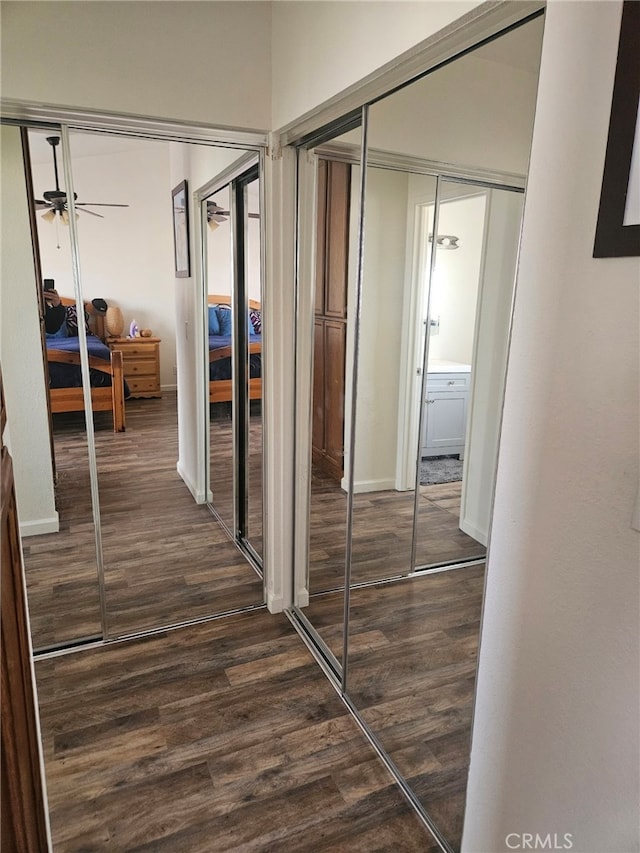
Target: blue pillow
{"type": "Point", "coordinates": [224, 319]}
{"type": "Point", "coordinates": [214, 324]}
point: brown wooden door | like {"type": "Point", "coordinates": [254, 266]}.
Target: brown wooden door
{"type": "Point", "coordinates": [330, 332]}
{"type": "Point", "coordinates": [335, 336]}
{"type": "Point", "coordinates": [23, 809]}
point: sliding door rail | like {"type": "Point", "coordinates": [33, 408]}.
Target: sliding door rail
{"type": "Point", "coordinates": [43, 115]}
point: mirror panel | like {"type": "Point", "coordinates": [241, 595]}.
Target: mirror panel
{"type": "Point", "coordinates": [165, 559]}
{"type": "Point", "coordinates": [336, 223]}
{"type": "Point", "coordinates": [253, 288]}
{"type": "Point", "coordinates": [413, 632]}
{"type": "Point", "coordinates": [220, 275]}
{"type": "Point", "coordinates": [389, 380]}
{"type": "Point", "coordinates": [470, 301]}
{"type": "Point", "coordinates": [60, 567]}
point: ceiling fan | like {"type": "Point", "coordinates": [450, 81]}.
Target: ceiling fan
{"type": "Point", "coordinates": [217, 214]}
{"type": "Point", "coordinates": [55, 201]}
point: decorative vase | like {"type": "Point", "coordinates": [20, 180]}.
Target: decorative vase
{"type": "Point", "coordinates": [114, 321]}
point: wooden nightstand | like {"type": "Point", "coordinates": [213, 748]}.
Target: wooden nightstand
{"type": "Point", "coordinates": [141, 359]}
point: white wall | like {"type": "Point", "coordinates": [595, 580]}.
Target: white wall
{"type": "Point", "coordinates": [220, 246]}
{"type": "Point", "coordinates": [381, 331]}
{"type": "Point", "coordinates": [489, 360]}
{"type": "Point", "coordinates": [220, 250]}
{"type": "Point", "coordinates": [21, 351]}
{"type": "Point", "coordinates": [127, 257]}
{"type": "Point", "coordinates": [454, 292]}
{"type": "Point", "coordinates": [555, 742]}
{"type": "Point", "coordinates": [321, 48]}
{"type": "Point", "coordinates": [204, 62]}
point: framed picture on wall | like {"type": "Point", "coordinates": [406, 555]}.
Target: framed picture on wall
{"type": "Point", "coordinates": [179, 198]}
{"type": "Point", "coordinates": [618, 228]}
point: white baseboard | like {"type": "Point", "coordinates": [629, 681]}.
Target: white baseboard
{"type": "Point", "coordinates": [473, 531]}
{"type": "Point", "coordinates": [168, 387]}
{"type": "Point", "coordinates": [40, 526]}
{"type": "Point", "coordinates": [369, 485]}
{"type": "Point", "coordinates": [302, 599]}
{"type": "Point", "coordinates": [275, 603]}
{"type": "Point", "coordinates": [198, 496]}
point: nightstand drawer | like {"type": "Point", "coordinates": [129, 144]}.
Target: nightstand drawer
{"type": "Point", "coordinates": [143, 384]}
{"type": "Point", "coordinates": [140, 366]}
{"type": "Point", "coordinates": [138, 350]}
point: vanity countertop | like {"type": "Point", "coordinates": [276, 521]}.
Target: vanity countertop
{"type": "Point", "coordinates": [441, 365]}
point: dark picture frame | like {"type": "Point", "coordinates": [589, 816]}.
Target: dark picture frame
{"type": "Point", "coordinates": [180, 212]}
{"type": "Point", "coordinates": [613, 238]}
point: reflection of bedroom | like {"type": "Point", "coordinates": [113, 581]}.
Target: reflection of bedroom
{"type": "Point", "coordinates": [220, 272]}
{"type": "Point", "coordinates": [127, 257]}
{"type": "Point", "coordinates": [145, 494]}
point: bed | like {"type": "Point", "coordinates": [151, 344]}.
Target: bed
{"type": "Point", "coordinates": [220, 349]}
{"type": "Point", "coordinates": [106, 372]}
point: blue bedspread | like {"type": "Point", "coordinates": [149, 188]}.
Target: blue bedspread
{"type": "Point", "coordinates": [222, 369]}
{"type": "Point", "coordinates": [69, 375]}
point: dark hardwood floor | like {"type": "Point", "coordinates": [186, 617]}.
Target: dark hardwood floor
{"type": "Point", "coordinates": [219, 737]}
{"type": "Point", "coordinates": [413, 647]}
{"type": "Point", "coordinates": [382, 533]}
{"type": "Point", "coordinates": [226, 735]}
{"type": "Point", "coordinates": [166, 558]}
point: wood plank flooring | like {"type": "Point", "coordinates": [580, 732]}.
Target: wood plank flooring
{"type": "Point", "coordinates": [382, 533]}
{"type": "Point", "coordinates": [219, 737]}
{"type": "Point", "coordinates": [412, 663]}
{"type": "Point", "coordinates": [226, 736]}
{"type": "Point", "coordinates": [166, 558]}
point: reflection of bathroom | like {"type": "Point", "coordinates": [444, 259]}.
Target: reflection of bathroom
{"type": "Point", "coordinates": [471, 293]}
{"type": "Point", "coordinates": [452, 305]}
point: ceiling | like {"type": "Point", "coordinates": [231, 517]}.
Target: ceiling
{"type": "Point", "coordinates": [519, 48]}
{"type": "Point", "coordinates": [84, 144]}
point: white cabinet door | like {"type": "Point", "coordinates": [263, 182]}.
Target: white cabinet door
{"type": "Point", "coordinates": [445, 423]}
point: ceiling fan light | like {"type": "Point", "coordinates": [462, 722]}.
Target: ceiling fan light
{"type": "Point", "coordinates": [65, 216]}
{"type": "Point", "coordinates": [49, 216]}
{"type": "Point", "coordinates": [213, 224]}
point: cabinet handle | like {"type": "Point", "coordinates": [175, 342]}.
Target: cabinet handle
{"type": "Point", "coordinates": [451, 382]}
{"type": "Point", "coordinates": [430, 401]}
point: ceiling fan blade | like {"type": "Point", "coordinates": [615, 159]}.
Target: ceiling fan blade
{"type": "Point", "coordinates": [40, 203]}
{"type": "Point", "coordinates": [98, 204]}
{"type": "Point", "coordinates": [91, 213]}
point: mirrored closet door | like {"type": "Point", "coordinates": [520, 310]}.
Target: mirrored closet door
{"type": "Point", "coordinates": [330, 186]}
{"type": "Point", "coordinates": [429, 311]}
{"type": "Point", "coordinates": [61, 565]}
{"type": "Point", "coordinates": [137, 547]}
{"type": "Point", "coordinates": [232, 270]}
